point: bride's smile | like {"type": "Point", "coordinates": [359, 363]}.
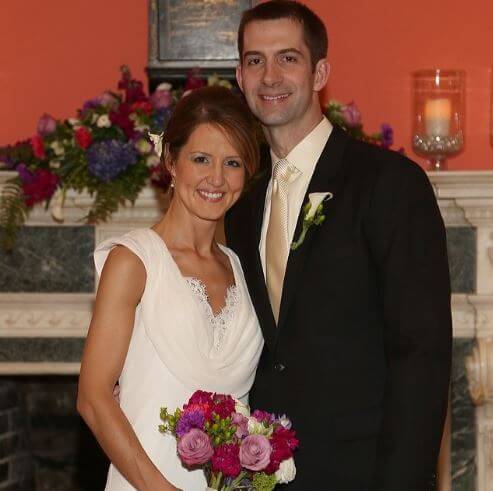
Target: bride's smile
{"type": "Point", "coordinates": [208, 174]}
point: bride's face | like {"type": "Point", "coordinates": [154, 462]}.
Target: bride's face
{"type": "Point", "coordinates": [209, 174]}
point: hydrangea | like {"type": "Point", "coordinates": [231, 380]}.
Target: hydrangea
{"type": "Point", "coordinates": [264, 482]}
{"type": "Point", "coordinates": [107, 159]}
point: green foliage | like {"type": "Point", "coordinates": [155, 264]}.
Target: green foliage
{"type": "Point", "coordinates": [169, 420]}
{"type": "Point", "coordinates": [110, 195]}
{"type": "Point", "coordinates": [264, 482]}
{"type": "Point", "coordinates": [13, 212]}
{"type": "Point", "coordinates": [220, 430]}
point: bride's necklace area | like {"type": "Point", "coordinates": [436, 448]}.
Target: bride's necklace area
{"type": "Point", "coordinates": [221, 320]}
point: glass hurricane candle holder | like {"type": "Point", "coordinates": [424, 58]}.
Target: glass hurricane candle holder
{"type": "Point", "coordinates": [438, 115]}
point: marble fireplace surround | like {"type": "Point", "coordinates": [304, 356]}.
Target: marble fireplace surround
{"type": "Point", "coordinates": [43, 333]}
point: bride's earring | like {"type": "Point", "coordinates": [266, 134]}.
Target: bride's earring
{"type": "Point", "coordinates": [172, 182]}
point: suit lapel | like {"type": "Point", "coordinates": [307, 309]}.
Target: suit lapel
{"type": "Point", "coordinates": [253, 272]}
{"type": "Point", "coordinates": [327, 166]}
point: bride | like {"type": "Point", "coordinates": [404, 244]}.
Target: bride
{"type": "Point", "coordinates": [172, 312]}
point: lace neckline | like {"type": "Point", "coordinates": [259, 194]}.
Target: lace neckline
{"type": "Point", "coordinates": [221, 320]}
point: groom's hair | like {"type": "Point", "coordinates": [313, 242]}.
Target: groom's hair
{"type": "Point", "coordinates": [314, 31]}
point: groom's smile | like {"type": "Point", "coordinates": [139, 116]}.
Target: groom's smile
{"type": "Point", "coordinates": [276, 73]}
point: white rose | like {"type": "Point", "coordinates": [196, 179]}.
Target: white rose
{"type": "Point", "coordinates": [143, 146]}
{"type": "Point", "coordinates": [55, 164]}
{"type": "Point", "coordinates": [164, 86]}
{"type": "Point", "coordinates": [315, 200]}
{"type": "Point", "coordinates": [57, 148]}
{"type": "Point", "coordinates": [75, 123]}
{"type": "Point", "coordinates": [103, 121]}
{"type": "Point", "coordinates": [242, 409]}
{"type": "Point", "coordinates": [286, 472]}
{"type": "Point", "coordinates": [255, 427]}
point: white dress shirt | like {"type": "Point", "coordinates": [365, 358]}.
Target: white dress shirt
{"type": "Point", "coordinates": [303, 158]}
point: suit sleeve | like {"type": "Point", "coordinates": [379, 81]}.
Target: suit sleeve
{"type": "Point", "coordinates": [409, 247]}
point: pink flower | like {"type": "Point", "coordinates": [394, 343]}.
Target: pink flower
{"type": "Point", "coordinates": [288, 435]}
{"type": "Point", "coordinates": [106, 99]}
{"type": "Point", "coordinates": [83, 137]}
{"type": "Point", "coordinates": [263, 416]}
{"type": "Point", "coordinates": [224, 405]}
{"type": "Point", "coordinates": [144, 106]}
{"type": "Point", "coordinates": [120, 117]}
{"type": "Point", "coordinates": [200, 397]}
{"type": "Point", "coordinates": [283, 443]}
{"type": "Point", "coordinates": [255, 452]}
{"type": "Point", "coordinates": [46, 125]}
{"type": "Point", "coordinates": [200, 400]}
{"type": "Point", "coordinates": [226, 460]}
{"type": "Point", "coordinates": [194, 447]}
{"type": "Point", "coordinates": [241, 423]}
{"type": "Point", "coordinates": [38, 186]}
{"type": "Point", "coordinates": [193, 80]}
{"type": "Point", "coordinates": [161, 99]}
{"type": "Point", "coordinates": [38, 147]}
{"type": "Point", "coordinates": [351, 115]}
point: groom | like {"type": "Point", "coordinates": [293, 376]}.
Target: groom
{"type": "Point", "coordinates": [356, 319]}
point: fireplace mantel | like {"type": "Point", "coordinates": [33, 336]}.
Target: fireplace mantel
{"type": "Point", "coordinates": [465, 199]}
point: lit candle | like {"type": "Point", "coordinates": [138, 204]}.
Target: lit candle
{"type": "Point", "coordinates": [437, 117]}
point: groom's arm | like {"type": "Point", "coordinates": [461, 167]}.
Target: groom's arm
{"type": "Point", "coordinates": [409, 245]}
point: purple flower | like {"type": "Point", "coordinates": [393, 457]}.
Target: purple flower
{"type": "Point", "coordinates": [351, 115]}
{"type": "Point", "coordinates": [189, 420]}
{"type": "Point", "coordinates": [255, 452]}
{"type": "Point", "coordinates": [161, 99]}
{"type": "Point", "coordinates": [7, 161]}
{"type": "Point", "coordinates": [107, 159]}
{"type": "Point", "coordinates": [106, 99]}
{"type": "Point", "coordinates": [387, 135]}
{"type": "Point", "coordinates": [25, 175]}
{"type": "Point", "coordinates": [194, 448]}
{"type": "Point", "coordinates": [46, 125]}
{"type": "Point", "coordinates": [161, 118]}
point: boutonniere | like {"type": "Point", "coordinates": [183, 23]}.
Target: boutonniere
{"type": "Point", "coordinates": [312, 214]}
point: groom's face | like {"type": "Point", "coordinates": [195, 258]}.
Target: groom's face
{"type": "Point", "coordinates": [276, 74]}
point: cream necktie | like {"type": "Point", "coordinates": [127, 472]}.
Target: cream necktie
{"type": "Point", "coordinates": [276, 247]}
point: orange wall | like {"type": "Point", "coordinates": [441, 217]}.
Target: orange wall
{"type": "Point", "coordinates": [57, 53]}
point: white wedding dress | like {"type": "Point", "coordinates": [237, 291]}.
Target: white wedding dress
{"type": "Point", "coordinates": [178, 346]}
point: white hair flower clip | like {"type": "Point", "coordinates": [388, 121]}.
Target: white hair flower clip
{"type": "Point", "coordinates": [157, 141]}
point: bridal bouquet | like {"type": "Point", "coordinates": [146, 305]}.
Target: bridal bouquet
{"type": "Point", "coordinates": [236, 449]}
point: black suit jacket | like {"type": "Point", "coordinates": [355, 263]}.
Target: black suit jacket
{"type": "Point", "coordinates": [360, 359]}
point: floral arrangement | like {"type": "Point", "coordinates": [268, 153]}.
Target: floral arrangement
{"type": "Point", "coordinates": [348, 117]}
{"type": "Point", "coordinates": [105, 151]}
{"type": "Point", "coordinates": [236, 449]}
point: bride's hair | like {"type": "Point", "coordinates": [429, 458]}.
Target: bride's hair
{"type": "Point", "coordinates": [217, 106]}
